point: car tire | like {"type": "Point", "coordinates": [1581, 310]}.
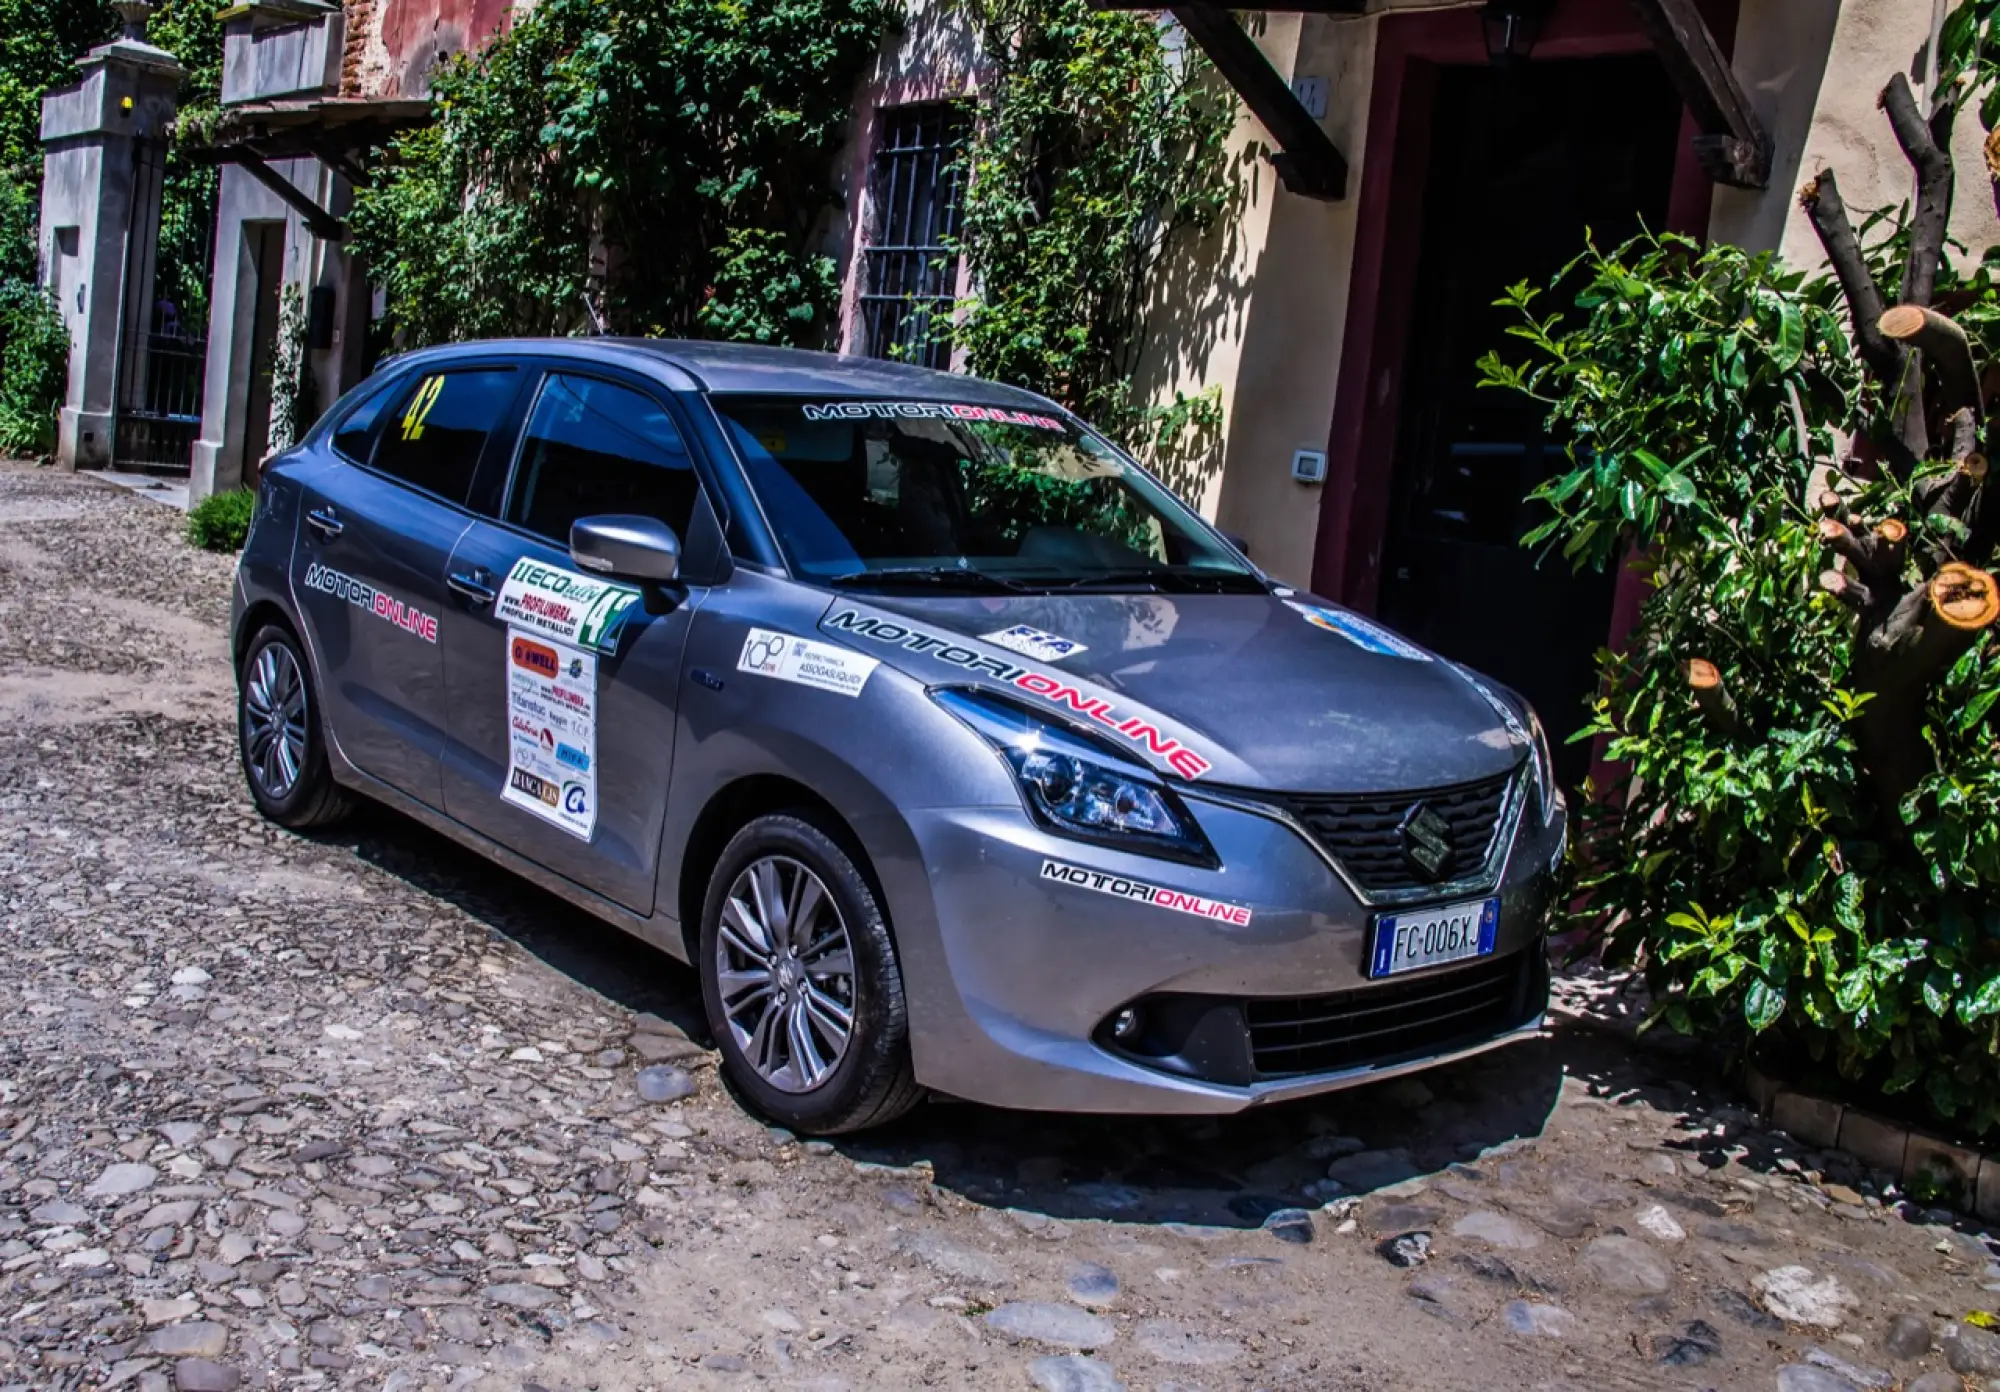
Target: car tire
{"type": "Point", "coordinates": [280, 736]}
{"type": "Point", "coordinates": [768, 872]}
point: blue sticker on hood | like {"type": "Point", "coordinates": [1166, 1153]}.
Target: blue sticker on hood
{"type": "Point", "coordinates": [1364, 634]}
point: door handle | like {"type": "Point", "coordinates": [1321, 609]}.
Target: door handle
{"type": "Point", "coordinates": [468, 585]}
{"type": "Point", "coordinates": [324, 522]}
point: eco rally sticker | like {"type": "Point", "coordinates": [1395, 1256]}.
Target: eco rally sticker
{"type": "Point", "coordinates": [366, 597]}
{"type": "Point", "coordinates": [804, 662]}
{"type": "Point", "coordinates": [1179, 757]}
{"type": "Point", "coordinates": [552, 731]}
{"type": "Point", "coordinates": [1161, 898]}
{"type": "Point", "coordinates": [562, 604]}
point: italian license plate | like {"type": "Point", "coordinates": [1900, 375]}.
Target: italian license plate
{"type": "Point", "coordinates": [1429, 937]}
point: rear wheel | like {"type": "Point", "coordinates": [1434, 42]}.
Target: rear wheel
{"type": "Point", "coordinates": [279, 735]}
{"type": "Point", "coordinates": [800, 981]}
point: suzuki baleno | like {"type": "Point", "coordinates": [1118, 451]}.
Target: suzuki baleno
{"type": "Point", "coordinates": [951, 749]}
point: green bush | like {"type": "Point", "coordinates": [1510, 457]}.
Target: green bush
{"type": "Point", "coordinates": [34, 363]}
{"type": "Point", "coordinates": [1782, 888]}
{"type": "Point", "coordinates": [221, 521]}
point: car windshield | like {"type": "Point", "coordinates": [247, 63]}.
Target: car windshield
{"type": "Point", "coordinates": [944, 495]}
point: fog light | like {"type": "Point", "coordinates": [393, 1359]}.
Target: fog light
{"type": "Point", "coordinates": [1125, 1024]}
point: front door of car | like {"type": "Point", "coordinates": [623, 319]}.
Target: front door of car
{"type": "Point", "coordinates": [562, 702]}
{"type": "Point", "coordinates": [377, 525]}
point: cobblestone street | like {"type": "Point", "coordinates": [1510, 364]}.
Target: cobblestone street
{"type": "Point", "coordinates": [364, 1111]}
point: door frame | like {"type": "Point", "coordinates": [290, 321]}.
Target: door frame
{"type": "Point", "coordinates": [1409, 51]}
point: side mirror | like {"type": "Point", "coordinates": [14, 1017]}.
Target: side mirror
{"type": "Point", "coordinates": [624, 547]}
{"type": "Point", "coordinates": [1241, 543]}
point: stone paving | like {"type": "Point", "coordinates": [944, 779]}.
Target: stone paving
{"type": "Point", "coordinates": [361, 1111]}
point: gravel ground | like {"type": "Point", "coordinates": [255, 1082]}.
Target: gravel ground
{"type": "Point", "coordinates": [362, 1111]}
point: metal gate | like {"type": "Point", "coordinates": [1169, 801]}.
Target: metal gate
{"type": "Point", "coordinates": [163, 352]}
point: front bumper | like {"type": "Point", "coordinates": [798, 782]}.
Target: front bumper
{"type": "Point", "coordinates": [1250, 979]}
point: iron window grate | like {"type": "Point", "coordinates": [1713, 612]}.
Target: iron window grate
{"type": "Point", "coordinates": [909, 270]}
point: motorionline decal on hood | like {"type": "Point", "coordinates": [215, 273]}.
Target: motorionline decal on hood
{"type": "Point", "coordinates": [945, 648]}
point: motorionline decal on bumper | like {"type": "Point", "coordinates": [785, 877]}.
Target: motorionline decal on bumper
{"type": "Point", "coordinates": [1158, 896]}
{"type": "Point", "coordinates": [1179, 757]}
{"type": "Point", "coordinates": [365, 596]}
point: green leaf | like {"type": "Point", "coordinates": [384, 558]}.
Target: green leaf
{"type": "Point", "coordinates": [1678, 488]}
{"type": "Point", "coordinates": [1791, 344]}
{"type": "Point", "coordinates": [1981, 1003]}
{"type": "Point", "coordinates": [1762, 1005]}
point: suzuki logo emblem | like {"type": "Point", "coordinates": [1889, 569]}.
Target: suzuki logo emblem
{"type": "Point", "coordinates": [1427, 841]}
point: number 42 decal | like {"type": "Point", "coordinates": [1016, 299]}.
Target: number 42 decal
{"type": "Point", "coordinates": [420, 407]}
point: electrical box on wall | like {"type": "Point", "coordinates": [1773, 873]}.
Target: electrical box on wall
{"type": "Point", "coordinates": [1311, 92]}
{"type": "Point", "coordinates": [1309, 466]}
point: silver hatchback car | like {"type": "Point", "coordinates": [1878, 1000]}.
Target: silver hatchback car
{"type": "Point", "coordinates": [950, 748]}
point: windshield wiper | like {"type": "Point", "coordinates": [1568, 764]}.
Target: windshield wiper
{"type": "Point", "coordinates": [943, 577]}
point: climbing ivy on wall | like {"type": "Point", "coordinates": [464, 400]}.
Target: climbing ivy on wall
{"type": "Point", "coordinates": [1098, 154]}
{"type": "Point", "coordinates": [630, 166]}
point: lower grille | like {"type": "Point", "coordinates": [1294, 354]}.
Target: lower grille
{"type": "Point", "coordinates": [1378, 1024]}
{"type": "Point", "coordinates": [1365, 833]}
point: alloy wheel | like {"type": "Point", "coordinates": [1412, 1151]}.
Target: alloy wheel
{"type": "Point", "coordinates": [784, 968]}
{"type": "Point", "coordinates": [274, 721]}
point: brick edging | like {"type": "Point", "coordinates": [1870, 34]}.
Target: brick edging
{"type": "Point", "coordinates": [1971, 1180]}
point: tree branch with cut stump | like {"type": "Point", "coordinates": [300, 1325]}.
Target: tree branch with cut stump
{"type": "Point", "coordinates": [1927, 146]}
{"type": "Point", "coordinates": [1944, 343]}
{"type": "Point", "coordinates": [1827, 212]}
{"type": "Point", "coordinates": [1704, 680]}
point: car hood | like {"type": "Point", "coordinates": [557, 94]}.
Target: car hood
{"type": "Point", "coordinates": [1280, 692]}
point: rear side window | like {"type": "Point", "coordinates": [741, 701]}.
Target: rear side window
{"type": "Point", "coordinates": [351, 436]}
{"type": "Point", "coordinates": [438, 426]}
{"type": "Point", "coordinates": [595, 447]}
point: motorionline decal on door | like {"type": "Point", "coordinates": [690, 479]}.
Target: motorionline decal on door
{"type": "Point", "coordinates": [564, 605]}
{"type": "Point", "coordinates": [552, 731]}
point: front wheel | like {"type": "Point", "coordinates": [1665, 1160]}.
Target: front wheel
{"type": "Point", "coordinates": [800, 981]}
{"type": "Point", "coordinates": [280, 737]}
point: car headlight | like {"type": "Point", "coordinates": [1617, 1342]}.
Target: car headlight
{"type": "Point", "coordinates": [1075, 788]}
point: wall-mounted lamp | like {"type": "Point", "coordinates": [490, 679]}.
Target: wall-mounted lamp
{"type": "Point", "coordinates": [1512, 26]}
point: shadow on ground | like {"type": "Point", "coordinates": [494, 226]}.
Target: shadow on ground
{"type": "Point", "coordinates": [1232, 1171]}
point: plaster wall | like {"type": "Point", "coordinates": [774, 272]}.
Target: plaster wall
{"type": "Point", "coordinates": [1813, 69]}
{"type": "Point", "coordinates": [282, 60]}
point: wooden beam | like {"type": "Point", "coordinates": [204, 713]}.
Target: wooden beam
{"type": "Point", "coordinates": [1732, 147]}
{"type": "Point", "coordinates": [322, 224]}
{"type": "Point", "coordinates": [1306, 159]}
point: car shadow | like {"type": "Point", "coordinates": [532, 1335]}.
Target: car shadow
{"type": "Point", "coordinates": [622, 968]}
{"type": "Point", "coordinates": [1226, 1171]}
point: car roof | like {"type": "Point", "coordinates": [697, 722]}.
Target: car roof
{"type": "Point", "coordinates": [767, 370]}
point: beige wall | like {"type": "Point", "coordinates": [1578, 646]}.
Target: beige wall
{"type": "Point", "coordinates": [1813, 69]}
{"type": "Point", "coordinates": [1274, 312]}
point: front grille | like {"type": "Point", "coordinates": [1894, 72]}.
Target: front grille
{"type": "Point", "coordinates": [1364, 833]}
{"type": "Point", "coordinates": [1382, 1023]}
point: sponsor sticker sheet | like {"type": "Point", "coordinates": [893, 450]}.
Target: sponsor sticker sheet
{"type": "Point", "coordinates": [563, 604]}
{"type": "Point", "coordinates": [552, 731]}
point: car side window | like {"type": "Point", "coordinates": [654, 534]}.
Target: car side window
{"type": "Point", "coordinates": [433, 437]}
{"type": "Point", "coordinates": [351, 437]}
{"type": "Point", "coordinates": [594, 447]}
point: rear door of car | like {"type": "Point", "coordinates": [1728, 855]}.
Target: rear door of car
{"type": "Point", "coordinates": [368, 571]}
{"type": "Point", "coordinates": [561, 749]}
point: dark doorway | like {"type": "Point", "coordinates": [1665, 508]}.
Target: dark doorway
{"type": "Point", "coordinates": [1522, 162]}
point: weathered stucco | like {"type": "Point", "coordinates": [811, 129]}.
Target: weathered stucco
{"type": "Point", "coordinates": [392, 45]}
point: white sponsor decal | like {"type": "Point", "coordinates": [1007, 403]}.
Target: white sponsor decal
{"type": "Point", "coordinates": [552, 731]}
{"type": "Point", "coordinates": [1159, 897]}
{"type": "Point", "coordinates": [1363, 633]}
{"type": "Point", "coordinates": [1032, 642]}
{"type": "Point", "coordinates": [801, 660]}
{"type": "Point", "coordinates": [562, 604]}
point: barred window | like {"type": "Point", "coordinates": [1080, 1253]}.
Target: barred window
{"type": "Point", "coordinates": [909, 276]}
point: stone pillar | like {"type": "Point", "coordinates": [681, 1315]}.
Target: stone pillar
{"type": "Point", "coordinates": [101, 221]}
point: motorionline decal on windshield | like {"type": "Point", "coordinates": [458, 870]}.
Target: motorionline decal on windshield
{"type": "Point", "coordinates": [926, 410]}
{"type": "Point", "coordinates": [380, 603]}
{"type": "Point", "coordinates": [1122, 887]}
{"type": "Point", "coordinates": [1179, 757]}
